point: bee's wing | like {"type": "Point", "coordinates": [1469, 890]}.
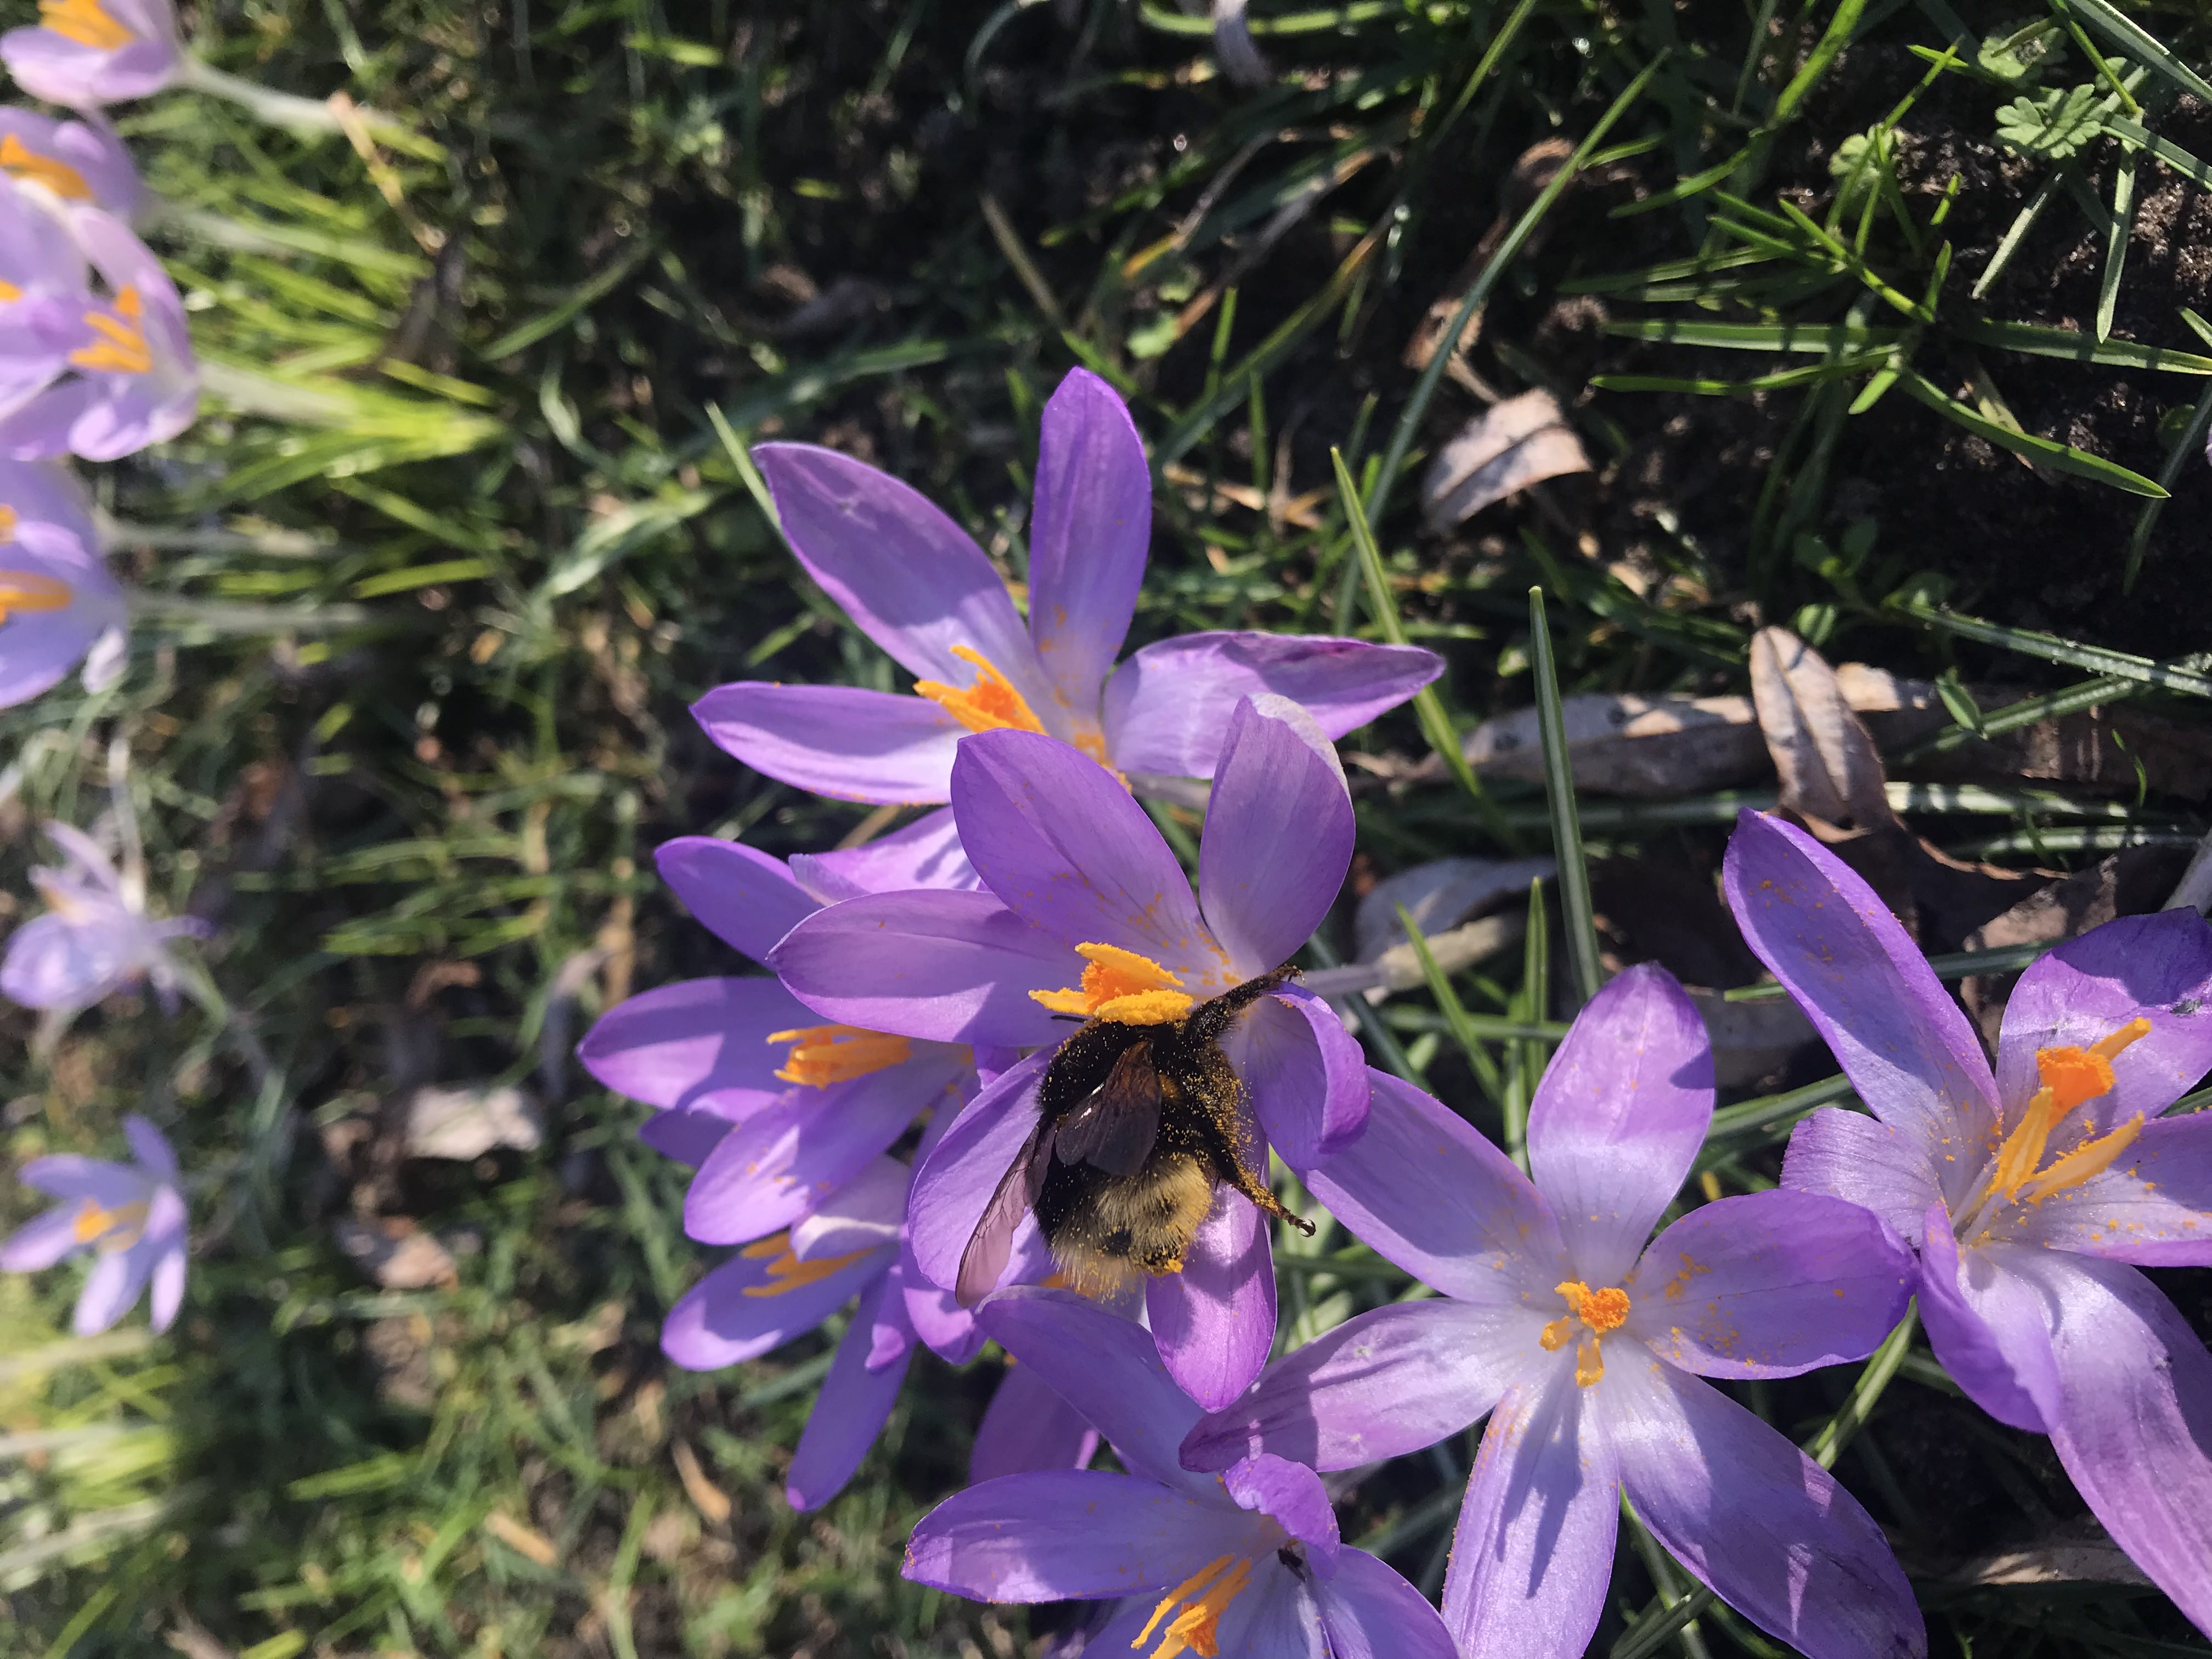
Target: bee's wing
{"type": "Point", "coordinates": [992, 1241]}
{"type": "Point", "coordinates": [1114, 1127]}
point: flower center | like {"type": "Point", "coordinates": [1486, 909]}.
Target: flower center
{"type": "Point", "coordinates": [85, 23]}
{"type": "Point", "coordinates": [1120, 986]}
{"type": "Point", "coordinates": [1596, 1312]}
{"type": "Point", "coordinates": [991, 704]}
{"type": "Point", "coordinates": [823, 1054]}
{"type": "Point", "coordinates": [786, 1272]}
{"type": "Point", "coordinates": [2071, 1077]}
{"type": "Point", "coordinates": [27, 591]}
{"type": "Point", "coordinates": [19, 161]}
{"type": "Point", "coordinates": [110, 1230]}
{"type": "Point", "coordinates": [121, 347]}
{"type": "Point", "coordinates": [1196, 1606]}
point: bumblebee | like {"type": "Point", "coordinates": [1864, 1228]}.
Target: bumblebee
{"type": "Point", "coordinates": [1137, 1126]}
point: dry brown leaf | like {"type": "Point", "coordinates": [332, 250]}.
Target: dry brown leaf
{"type": "Point", "coordinates": [1439, 896]}
{"type": "Point", "coordinates": [523, 1540]}
{"type": "Point", "coordinates": [1509, 447]}
{"type": "Point", "coordinates": [1829, 767]}
{"type": "Point", "coordinates": [1629, 745]}
{"type": "Point", "coordinates": [396, 1253]}
{"type": "Point", "coordinates": [709, 1499]}
{"type": "Point", "coordinates": [465, 1120]}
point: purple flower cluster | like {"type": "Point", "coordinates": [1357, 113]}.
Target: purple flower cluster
{"type": "Point", "coordinates": [878, 1126]}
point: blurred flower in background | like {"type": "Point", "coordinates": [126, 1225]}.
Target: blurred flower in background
{"type": "Point", "coordinates": [131, 1215]}
{"type": "Point", "coordinates": [95, 938]}
{"type": "Point", "coordinates": [84, 53]}
{"type": "Point", "coordinates": [73, 162]}
{"type": "Point", "coordinates": [58, 605]}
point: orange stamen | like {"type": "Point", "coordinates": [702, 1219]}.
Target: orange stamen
{"type": "Point", "coordinates": [991, 704]}
{"type": "Point", "coordinates": [6, 526]}
{"type": "Point", "coordinates": [85, 23]}
{"type": "Point", "coordinates": [19, 161]}
{"type": "Point", "coordinates": [109, 1230]}
{"type": "Point", "coordinates": [26, 592]}
{"type": "Point", "coordinates": [1204, 1597]}
{"type": "Point", "coordinates": [786, 1272]}
{"type": "Point", "coordinates": [2090, 1158]}
{"type": "Point", "coordinates": [10, 294]}
{"type": "Point", "coordinates": [823, 1055]}
{"type": "Point", "coordinates": [1120, 986]}
{"type": "Point", "coordinates": [121, 349]}
{"type": "Point", "coordinates": [2071, 1077]}
{"type": "Point", "coordinates": [1593, 1313]}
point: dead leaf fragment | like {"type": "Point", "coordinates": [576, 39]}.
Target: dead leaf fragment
{"type": "Point", "coordinates": [1661, 746]}
{"type": "Point", "coordinates": [1439, 896]}
{"type": "Point", "coordinates": [709, 1499]}
{"type": "Point", "coordinates": [396, 1253]}
{"type": "Point", "coordinates": [1239, 59]}
{"type": "Point", "coordinates": [465, 1121]}
{"type": "Point", "coordinates": [1510, 446]}
{"type": "Point", "coordinates": [1829, 767]}
{"type": "Point", "coordinates": [526, 1541]}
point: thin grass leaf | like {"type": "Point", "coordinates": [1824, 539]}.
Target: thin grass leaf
{"type": "Point", "coordinates": [2062, 458]}
{"type": "Point", "coordinates": [1528, 1004]}
{"type": "Point", "coordinates": [2053, 705]}
{"type": "Point", "coordinates": [2035, 340]}
{"type": "Point", "coordinates": [1825, 338]}
{"type": "Point", "coordinates": [2117, 237]}
{"type": "Point", "coordinates": [2140, 44]}
{"type": "Point", "coordinates": [1579, 914]}
{"type": "Point", "coordinates": [2097, 658]}
{"type": "Point", "coordinates": [2187, 447]}
{"type": "Point", "coordinates": [1456, 1019]}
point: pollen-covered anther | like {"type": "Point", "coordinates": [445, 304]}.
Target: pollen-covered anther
{"type": "Point", "coordinates": [27, 593]}
{"type": "Point", "coordinates": [991, 704]}
{"type": "Point", "coordinates": [2071, 1077]}
{"type": "Point", "coordinates": [109, 1230]}
{"type": "Point", "coordinates": [87, 22]}
{"type": "Point", "coordinates": [786, 1272]}
{"type": "Point", "coordinates": [823, 1054]}
{"type": "Point", "coordinates": [1193, 1610]}
{"type": "Point", "coordinates": [1120, 986]}
{"type": "Point", "coordinates": [20, 161]}
{"type": "Point", "coordinates": [1593, 1313]}
{"type": "Point", "coordinates": [121, 347]}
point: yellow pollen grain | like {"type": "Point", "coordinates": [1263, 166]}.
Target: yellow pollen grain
{"type": "Point", "coordinates": [991, 704]}
{"type": "Point", "coordinates": [121, 349]}
{"type": "Point", "coordinates": [110, 1230]}
{"type": "Point", "coordinates": [786, 1272]}
{"type": "Point", "coordinates": [85, 22]}
{"type": "Point", "coordinates": [823, 1055]}
{"type": "Point", "coordinates": [19, 160]}
{"type": "Point", "coordinates": [2089, 1159]}
{"type": "Point", "coordinates": [7, 525]}
{"type": "Point", "coordinates": [26, 592]}
{"type": "Point", "coordinates": [1593, 1313]}
{"type": "Point", "coordinates": [1205, 1596]}
{"type": "Point", "coordinates": [1122, 986]}
{"type": "Point", "coordinates": [2073, 1075]}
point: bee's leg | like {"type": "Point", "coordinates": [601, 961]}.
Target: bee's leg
{"type": "Point", "coordinates": [1255, 1188]}
{"type": "Point", "coordinates": [1211, 1018]}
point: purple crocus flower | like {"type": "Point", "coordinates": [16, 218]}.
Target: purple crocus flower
{"type": "Point", "coordinates": [134, 380]}
{"type": "Point", "coordinates": [84, 53]}
{"type": "Point", "coordinates": [1585, 1346]}
{"type": "Point", "coordinates": [811, 1104]}
{"type": "Point", "coordinates": [1088, 915]}
{"type": "Point", "coordinates": [917, 585]}
{"type": "Point", "coordinates": [2034, 1191]}
{"type": "Point", "coordinates": [1246, 1562]}
{"type": "Point", "coordinates": [131, 1214]}
{"type": "Point", "coordinates": [95, 937]}
{"type": "Point", "coordinates": [43, 279]}
{"type": "Point", "coordinates": [58, 605]}
{"type": "Point", "coordinates": [72, 162]}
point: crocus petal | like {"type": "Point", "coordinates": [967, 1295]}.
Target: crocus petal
{"type": "Point", "coordinates": [1533, 1551]}
{"type": "Point", "coordinates": [169, 1282]}
{"type": "Point", "coordinates": [2134, 1425]}
{"type": "Point", "coordinates": [778, 1164]}
{"type": "Point", "coordinates": [1107, 1368]}
{"type": "Point", "coordinates": [1370, 1612]}
{"type": "Point", "coordinates": [1306, 1075]}
{"type": "Point", "coordinates": [954, 1184]}
{"type": "Point", "coordinates": [1384, 1383]}
{"type": "Point", "coordinates": [2153, 967]}
{"type": "Point", "coordinates": [1850, 1156]}
{"type": "Point", "coordinates": [739, 1311]}
{"type": "Point", "coordinates": [2153, 1206]}
{"type": "Point", "coordinates": [849, 1412]}
{"type": "Point", "coordinates": [1027, 1427]}
{"type": "Point", "coordinates": [1770, 1284]}
{"type": "Point", "coordinates": [1904, 1042]}
{"type": "Point", "coordinates": [690, 1133]}
{"type": "Point", "coordinates": [1619, 1116]}
{"type": "Point", "coordinates": [111, 1290]}
{"type": "Point", "coordinates": [41, 1243]}
{"type": "Point", "coordinates": [151, 1147]}
{"type": "Point", "coordinates": [1168, 706]}
{"type": "Point", "coordinates": [1986, 1323]}
{"type": "Point", "coordinates": [1293, 1495]}
{"type": "Point", "coordinates": [57, 963]}
{"type": "Point", "coordinates": [1091, 527]}
{"type": "Point", "coordinates": [1059, 838]}
{"type": "Point", "coordinates": [923, 854]}
{"type": "Point", "coordinates": [1215, 1321]}
{"type": "Point", "coordinates": [1278, 835]}
{"type": "Point", "coordinates": [952, 967]}
{"type": "Point", "coordinates": [866, 1211]}
{"type": "Point", "coordinates": [1079, 1535]}
{"type": "Point", "coordinates": [910, 579]}
{"type": "Point", "coordinates": [65, 1175]}
{"type": "Point", "coordinates": [745, 898]}
{"type": "Point", "coordinates": [1760, 1523]}
{"type": "Point", "coordinates": [835, 740]}
{"type": "Point", "coordinates": [1427, 1192]}
{"type": "Point", "coordinates": [676, 1044]}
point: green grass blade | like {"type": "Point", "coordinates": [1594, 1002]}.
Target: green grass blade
{"type": "Point", "coordinates": [1579, 915]}
{"type": "Point", "coordinates": [2186, 448]}
{"type": "Point", "coordinates": [2166, 677]}
{"type": "Point", "coordinates": [2035, 340]}
{"type": "Point", "coordinates": [1456, 1019]}
{"type": "Point", "coordinates": [2063, 458]}
{"type": "Point", "coordinates": [2140, 44]}
{"type": "Point", "coordinates": [2052, 705]}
